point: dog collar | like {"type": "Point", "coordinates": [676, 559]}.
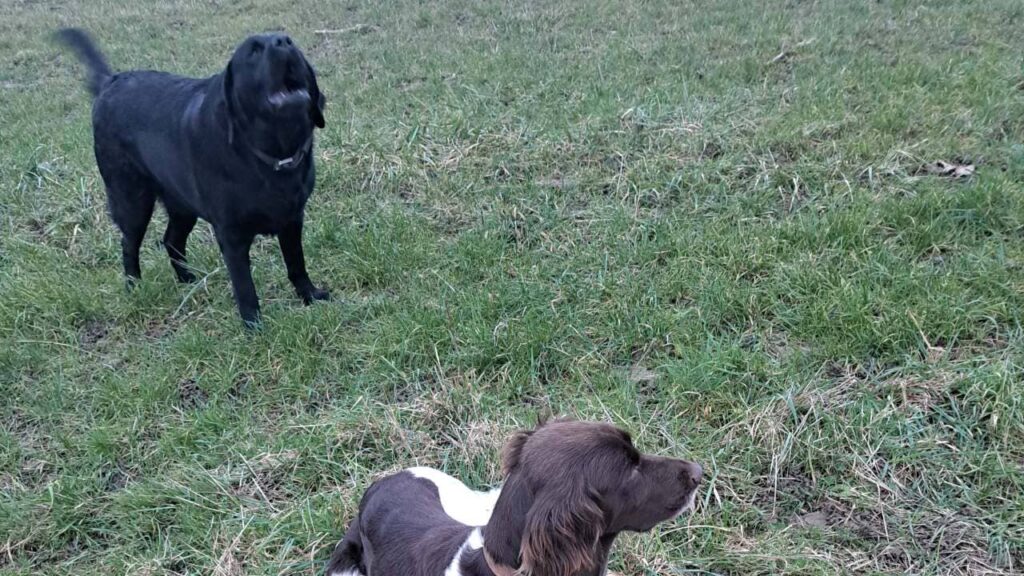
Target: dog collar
{"type": "Point", "coordinates": [292, 161]}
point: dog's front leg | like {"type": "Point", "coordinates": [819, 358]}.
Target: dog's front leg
{"type": "Point", "coordinates": [234, 247]}
{"type": "Point", "coordinates": [291, 248]}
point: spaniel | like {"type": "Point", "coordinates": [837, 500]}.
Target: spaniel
{"type": "Point", "coordinates": [570, 488]}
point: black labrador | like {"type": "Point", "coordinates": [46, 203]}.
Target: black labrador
{"type": "Point", "coordinates": [234, 149]}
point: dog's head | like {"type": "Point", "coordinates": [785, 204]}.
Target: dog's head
{"type": "Point", "coordinates": [268, 84]}
{"type": "Point", "coordinates": [571, 487]}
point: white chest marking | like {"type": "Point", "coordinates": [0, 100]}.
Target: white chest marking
{"type": "Point", "coordinates": [459, 502]}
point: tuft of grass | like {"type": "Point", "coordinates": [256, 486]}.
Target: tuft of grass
{"type": "Point", "coordinates": [706, 223]}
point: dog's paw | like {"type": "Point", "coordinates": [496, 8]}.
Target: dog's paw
{"type": "Point", "coordinates": [186, 277]}
{"type": "Point", "coordinates": [316, 294]}
{"type": "Point", "coordinates": [253, 322]}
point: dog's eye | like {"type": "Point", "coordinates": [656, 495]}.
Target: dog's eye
{"type": "Point", "coordinates": [255, 49]}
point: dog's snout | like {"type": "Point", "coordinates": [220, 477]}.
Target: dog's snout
{"type": "Point", "coordinates": [281, 40]}
{"type": "Point", "coordinates": [692, 474]}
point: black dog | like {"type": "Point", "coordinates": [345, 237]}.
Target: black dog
{"type": "Point", "coordinates": [234, 149]}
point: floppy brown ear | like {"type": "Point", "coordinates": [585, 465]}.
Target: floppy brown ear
{"type": "Point", "coordinates": [562, 531]}
{"type": "Point", "coordinates": [317, 102]}
{"type": "Point", "coordinates": [513, 451]}
{"type": "Point", "coordinates": [508, 521]}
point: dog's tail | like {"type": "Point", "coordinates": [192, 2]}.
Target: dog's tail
{"type": "Point", "coordinates": [347, 559]}
{"type": "Point", "coordinates": [82, 44]}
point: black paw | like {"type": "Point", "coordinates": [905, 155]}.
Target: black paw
{"type": "Point", "coordinates": [252, 321]}
{"type": "Point", "coordinates": [315, 294]}
{"type": "Point", "coordinates": [186, 277]}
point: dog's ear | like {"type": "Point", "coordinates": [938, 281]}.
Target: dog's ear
{"type": "Point", "coordinates": [562, 533]}
{"type": "Point", "coordinates": [515, 500]}
{"type": "Point", "coordinates": [228, 85]}
{"type": "Point", "coordinates": [508, 521]}
{"type": "Point", "coordinates": [513, 451]}
{"type": "Point", "coordinates": [317, 102]}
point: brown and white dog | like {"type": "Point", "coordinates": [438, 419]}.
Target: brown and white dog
{"type": "Point", "coordinates": [570, 488]}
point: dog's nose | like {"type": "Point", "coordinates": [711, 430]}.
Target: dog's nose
{"type": "Point", "coordinates": [693, 473]}
{"type": "Point", "coordinates": [280, 40]}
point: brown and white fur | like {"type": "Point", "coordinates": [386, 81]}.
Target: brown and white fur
{"type": "Point", "coordinates": [570, 488]}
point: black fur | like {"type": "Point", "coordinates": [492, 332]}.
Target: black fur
{"type": "Point", "coordinates": [411, 512]}
{"type": "Point", "coordinates": [99, 70]}
{"type": "Point", "coordinates": [210, 148]}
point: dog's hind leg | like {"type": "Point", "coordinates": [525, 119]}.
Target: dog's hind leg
{"type": "Point", "coordinates": [347, 558]}
{"type": "Point", "coordinates": [130, 199]}
{"type": "Point", "coordinates": [179, 226]}
{"type": "Point", "coordinates": [131, 210]}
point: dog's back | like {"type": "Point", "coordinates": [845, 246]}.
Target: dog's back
{"type": "Point", "coordinates": [141, 114]}
{"type": "Point", "coordinates": [139, 136]}
{"type": "Point", "coordinates": [406, 507]}
{"type": "Point", "coordinates": [129, 102]}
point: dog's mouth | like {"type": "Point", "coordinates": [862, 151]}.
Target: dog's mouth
{"type": "Point", "coordinates": [687, 507]}
{"type": "Point", "coordinates": [292, 92]}
{"type": "Point", "coordinates": [288, 97]}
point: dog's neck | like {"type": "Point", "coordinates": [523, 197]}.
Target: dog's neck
{"type": "Point", "coordinates": [279, 164]}
{"type": "Point", "coordinates": [491, 564]}
{"type": "Point", "coordinates": [238, 133]}
{"type": "Point", "coordinates": [488, 566]}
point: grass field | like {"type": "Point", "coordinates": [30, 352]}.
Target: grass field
{"type": "Point", "coordinates": [706, 222]}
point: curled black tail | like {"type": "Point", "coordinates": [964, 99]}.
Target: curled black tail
{"type": "Point", "coordinates": [82, 44]}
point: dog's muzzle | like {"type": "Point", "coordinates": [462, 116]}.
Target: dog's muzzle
{"type": "Point", "coordinates": [283, 98]}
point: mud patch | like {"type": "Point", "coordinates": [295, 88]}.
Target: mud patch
{"type": "Point", "coordinates": [93, 335]}
{"type": "Point", "coordinates": [190, 395]}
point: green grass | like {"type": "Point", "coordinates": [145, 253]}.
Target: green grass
{"type": "Point", "coordinates": [627, 211]}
